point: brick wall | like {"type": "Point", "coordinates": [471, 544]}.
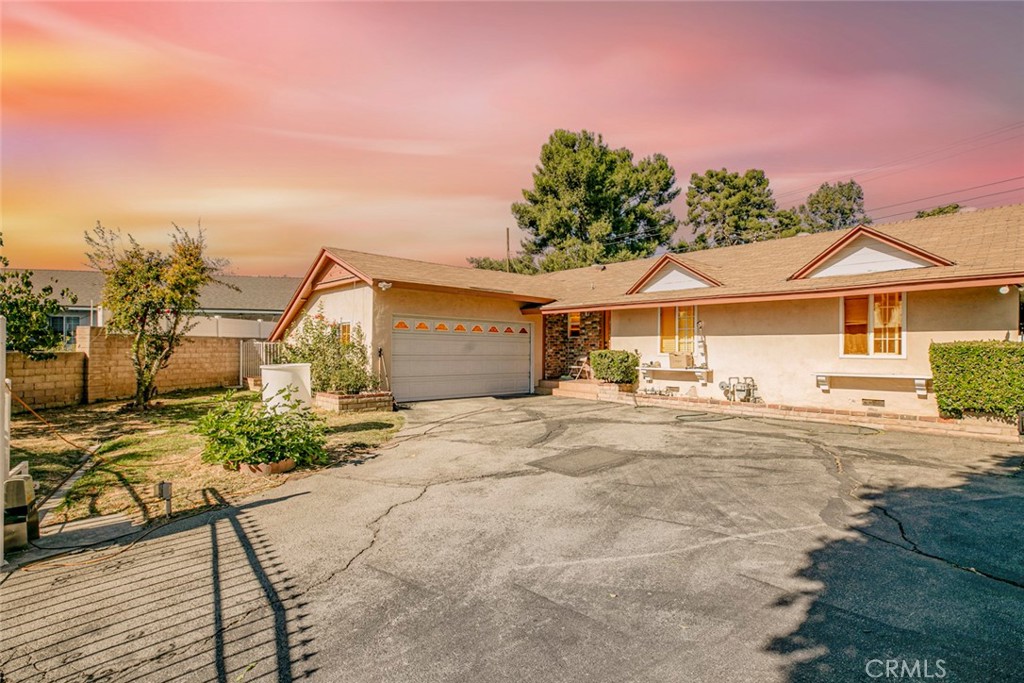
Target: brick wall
{"type": "Point", "coordinates": [562, 351]}
{"type": "Point", "coordinates": [199, 363]}
{"type": "Point", "coordinates": [358, 403]}
{"type": "Point", "coordinates": [48, 383]}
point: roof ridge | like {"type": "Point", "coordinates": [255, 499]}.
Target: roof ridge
{"type": "Point", "coordinates": [413, 260]}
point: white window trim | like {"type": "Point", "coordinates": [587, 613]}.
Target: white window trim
{"type": "Point", "coordinates": [696, 319]}
{"type": "Point", "coordinates": [871, 330]}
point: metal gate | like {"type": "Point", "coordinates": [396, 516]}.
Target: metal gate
{"type": "Point", "coordinates": [253, 354]}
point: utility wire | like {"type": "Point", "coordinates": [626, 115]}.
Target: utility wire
{"type": "Point", "coordinates": [965, 199]}
{"type": "Point", "coordinates": [912, 157]}
{"type": "Point", "coordinates": [933, 161]}
{"type": "Point", "coordinates": [942, 194]}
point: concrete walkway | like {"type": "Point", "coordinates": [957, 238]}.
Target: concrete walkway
{"type": "Point", "coordinates": [547, 539]}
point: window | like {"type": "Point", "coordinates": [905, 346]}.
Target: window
{"type": "Point", "coordinates": [678, 324]}
{"type": "Point", "coordinates": [574, 324]}
{"type": "Point", "coordinates": [873, 325]}
{"type": "Point", "coordinates": [65, 326]}
{"type": "Point", "coordinates": [345, 330]}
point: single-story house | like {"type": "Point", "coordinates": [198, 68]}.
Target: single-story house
{"type": "Point", "coordinates": [834, 319]}
{"type": "Point", "coordinates": [250, 310]}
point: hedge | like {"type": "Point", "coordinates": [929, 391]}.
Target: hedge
{"type": "Point", "coordinates": [620, 367]}
{"type": "Point", "coordinates": [978, 377]}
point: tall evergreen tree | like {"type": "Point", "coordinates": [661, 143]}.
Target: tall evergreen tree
{"type": "Point", "coordinates": [726, 208]}
{"type": "Point", "coordinates": [833, 207]}
{"type": "Point", "coordinates": [592, 204]}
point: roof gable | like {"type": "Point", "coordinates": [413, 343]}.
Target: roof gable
{"type": "Point", "coordinates": [669, 274]}
{"type": "Point", "coordinates": [862, 251]}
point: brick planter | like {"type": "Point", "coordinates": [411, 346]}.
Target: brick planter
{"type": "Point", "coordinates": [354, 403]}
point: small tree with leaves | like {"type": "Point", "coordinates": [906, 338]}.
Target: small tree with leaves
{"type": "Point", "coordinates": [28, 310]}
{"type": "Point", "coordinates": [939, 211]}
{"type": "Point", "coordinates": [151, 295]}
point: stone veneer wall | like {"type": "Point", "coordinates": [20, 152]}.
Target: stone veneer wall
{"type": "Point", "coordinates": [50, 383]}
{"type": "Point", "coordinates": [561, 351]}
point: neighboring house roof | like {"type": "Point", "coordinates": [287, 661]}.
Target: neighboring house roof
{"type": "Point", "coordinates": [970, 248]}
{"type": "Point", "coordinates": [255, 293]}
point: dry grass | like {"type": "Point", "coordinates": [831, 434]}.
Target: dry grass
{"type": "Point", "coordinates": [137, 450]}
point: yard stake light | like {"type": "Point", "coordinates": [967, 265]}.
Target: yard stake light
{"type": "Point", "coordinates": [163, 491]}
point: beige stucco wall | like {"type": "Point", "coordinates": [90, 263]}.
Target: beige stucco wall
{"type": "Point", "coordinates": [782, 344]}
{"type": "Point", "coordinates": [351, 303]}
{"type": "Point", "coordinates": [396, 301]}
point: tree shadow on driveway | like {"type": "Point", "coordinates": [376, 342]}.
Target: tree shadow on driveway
{"type": "Point", "coordinates": [931, 579]}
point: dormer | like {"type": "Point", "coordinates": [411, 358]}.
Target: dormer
{"type": "Point", "coordinates": [862, 251]}
{"type": "Point", "coordinates": [670, 274]}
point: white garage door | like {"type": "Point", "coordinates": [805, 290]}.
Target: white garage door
{"type": "Point", "coordinates": [452, 358]}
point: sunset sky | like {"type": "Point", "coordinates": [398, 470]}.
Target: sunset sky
{"type": "Point", "coordinates": [409, 129]}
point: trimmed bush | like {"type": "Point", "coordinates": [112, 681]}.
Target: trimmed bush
{"type": "Point", "coordinates": [335, 366]}
{"type": "Point", "coordinates": [241, 430]}
{"type": "Point", "coordinates": [620, 367]}
{"type": "Point", "coordinates": [978, 377]}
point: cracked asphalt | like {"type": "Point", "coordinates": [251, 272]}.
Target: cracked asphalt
{"type": "Point", "coordinates": [546, 539]}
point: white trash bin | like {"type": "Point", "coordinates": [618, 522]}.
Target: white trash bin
{"type": "Point", "coordinates": [293, 377]}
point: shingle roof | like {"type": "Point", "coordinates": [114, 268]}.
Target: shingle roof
{"type": "Point", "coordinates": [987, 242]}
{"type": "Point", "coordinates": [391, 268]}
{"type": "Point", "coordinates": [979, 243]}
{"type": "Point", "coordinates": [255, 293]}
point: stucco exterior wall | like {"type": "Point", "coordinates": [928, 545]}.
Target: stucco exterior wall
{"type": "Point", "coordinates": [783, 344]}
{"type": "Point", "coordinates": [350, 303]}
{"type": "Point", "coordinates": [396, 301]}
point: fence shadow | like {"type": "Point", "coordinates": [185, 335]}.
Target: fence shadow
{"type": "Point", "coordinates": [933, 578]}
{"type": "Point", "coordinates": [206, 599]}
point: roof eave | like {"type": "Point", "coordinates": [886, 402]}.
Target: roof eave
{"type": "Point", "coordinates": [1011, 278]}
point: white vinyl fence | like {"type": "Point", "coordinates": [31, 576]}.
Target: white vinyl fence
{"type": "Point", "coordinates": [217, 326]}
{"type": "Point", "coordinates": [254, 353]}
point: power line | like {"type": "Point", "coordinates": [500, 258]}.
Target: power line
{"type": "Point", "coordinates": [942, 194]}
{"type": "Point", "coordinates": [899, 160]}
{"type": "Point", "coordinates": [948, 156]}
{"type": "Point", "coordinates": [965, 199]}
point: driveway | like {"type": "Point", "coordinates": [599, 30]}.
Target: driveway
{"type": "Point", "coordinates": [546, 539]}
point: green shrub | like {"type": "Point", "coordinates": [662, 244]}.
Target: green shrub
{"type": "Point", "coordinates": [242, 430]}
{"type": "Point", "coordinates": [336, 366]}
{"type": "Point", "coordinates": [620, 367]}
{"type": "Point", "coordinates": [979, 377]}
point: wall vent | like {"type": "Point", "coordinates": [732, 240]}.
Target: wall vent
{"type": "Point", "coordinates": [873, 402]}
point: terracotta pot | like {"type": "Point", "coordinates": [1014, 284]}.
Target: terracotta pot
{"type": "Point", "coordinates": [264, 469]}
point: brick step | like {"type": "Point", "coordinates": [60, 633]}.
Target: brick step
{"type": "Point", "coordinates": [542, 390]}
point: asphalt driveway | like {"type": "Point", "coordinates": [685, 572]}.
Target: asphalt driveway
{"type": "Point", "coordinates": [546, 539]}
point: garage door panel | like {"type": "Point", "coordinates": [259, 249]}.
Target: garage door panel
{"type": "Point", "coordinates": [431, 363]}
